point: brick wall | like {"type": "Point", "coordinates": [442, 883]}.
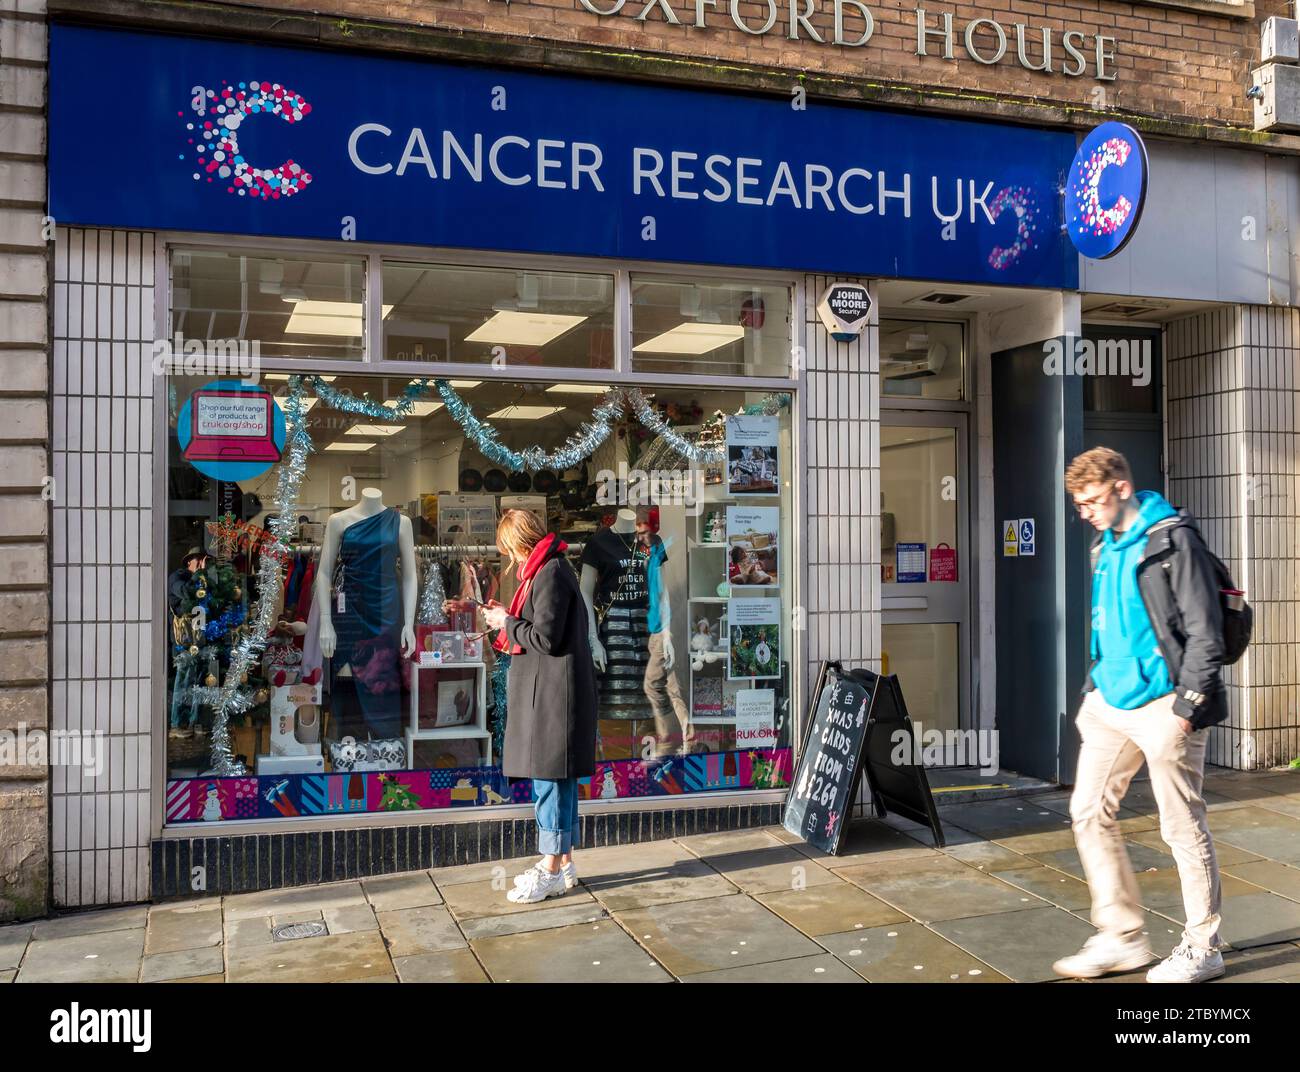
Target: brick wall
{"type": "Point", "coordinates": [1168, 62]}
{"type": "Point", "coordinates": [24, 462]}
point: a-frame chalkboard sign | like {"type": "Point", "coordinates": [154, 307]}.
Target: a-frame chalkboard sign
{"type": "Point", "coordinates": [856, 725]}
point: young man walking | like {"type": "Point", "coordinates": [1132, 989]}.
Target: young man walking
{"type": "Point", "coordinates": [1152, 690]}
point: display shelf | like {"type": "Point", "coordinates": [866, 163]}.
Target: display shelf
{"type": "Point", "coordinates": [475, 729]}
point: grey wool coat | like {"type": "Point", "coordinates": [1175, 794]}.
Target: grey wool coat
{"type": "Point", "coordinates": [551, 684]}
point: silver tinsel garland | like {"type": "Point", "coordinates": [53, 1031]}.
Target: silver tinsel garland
{"type": "Point", "coordinates": [432, 598]}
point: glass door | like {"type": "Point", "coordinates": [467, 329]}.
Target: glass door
{"type": "Point", "coordinates": [925, 567]}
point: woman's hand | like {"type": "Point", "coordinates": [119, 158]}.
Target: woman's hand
{"type": "Point", "coordinates": [494, 615]}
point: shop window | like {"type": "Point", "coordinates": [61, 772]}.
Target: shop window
{"type": "Point", "coordinates": [922, 359]}
{"type": "Point", "coordinates": [499, 316]}
{"type": "Point", "coordinates": [278, 306]}
{"type": "Point", "coordinates": [369, 731]}
{"type": "Point", "coordinates": [710, 327]}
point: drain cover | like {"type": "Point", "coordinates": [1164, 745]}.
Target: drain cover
{"type": "Point", "coordinates": [287, 932]}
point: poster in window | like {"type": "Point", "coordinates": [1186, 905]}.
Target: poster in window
{"type": "Point", "coordinates": [752, 534]}
{"type": "Point", "coordinates": [752, 466]}
{"type": "Point", "coordinates": [754, 650]}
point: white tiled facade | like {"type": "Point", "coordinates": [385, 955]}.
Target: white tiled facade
{"type": "Point", "coordinates": [102, 549]}
{"type": "Point", "coordinates": [1233, 399]}
{"type": "Point", "coordinates": [841, 537]}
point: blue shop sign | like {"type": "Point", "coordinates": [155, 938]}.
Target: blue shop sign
{"type": "Point", "coordinates": [1106, 190]}
{"type": "Point", "coordinates": [176, 133]}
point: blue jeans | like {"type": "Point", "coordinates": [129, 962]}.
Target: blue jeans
{"type": "Point", "coordinates": [556, 804]}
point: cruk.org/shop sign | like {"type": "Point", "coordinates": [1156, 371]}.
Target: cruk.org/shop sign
{"type": "Point", "coordinates": [248, 139]}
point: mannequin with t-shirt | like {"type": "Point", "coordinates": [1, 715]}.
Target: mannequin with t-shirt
{"type": "Point", "coordinates": [613, 584]}
{"type": "Point", "coordinates": [367, 613]}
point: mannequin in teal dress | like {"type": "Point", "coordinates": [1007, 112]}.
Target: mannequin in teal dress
{"type": "Point", "coordinates": [369, 624]}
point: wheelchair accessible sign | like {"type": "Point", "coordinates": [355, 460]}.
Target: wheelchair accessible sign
{"type": "Point", "coordinates": [1018, 538]}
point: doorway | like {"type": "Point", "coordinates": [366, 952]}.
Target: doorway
{"type": "Point", "coordinates": [926, 567]}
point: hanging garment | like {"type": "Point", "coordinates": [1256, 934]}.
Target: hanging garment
{"type": "Point", "coordinates": [368, 626]}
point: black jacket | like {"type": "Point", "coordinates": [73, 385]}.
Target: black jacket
{"type": "Point", "coordinates": [1181, 594]}
{"type": "Point", "coordinates": [551, 687]}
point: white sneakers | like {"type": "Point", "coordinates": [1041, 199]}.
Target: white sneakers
{"type": "Point", "coordinates": [1188, 964]}
{"type": "Point", "coordinates": [1102, 954]}
{"type": "Point", "coordinates": [569, 871]}
{"type": "Point", "coordinates": [536, 884]}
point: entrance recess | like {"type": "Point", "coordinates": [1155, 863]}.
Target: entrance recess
{"type": "Point", "coordinates": [926, 565]}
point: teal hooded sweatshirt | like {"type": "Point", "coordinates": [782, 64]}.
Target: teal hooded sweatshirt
{"type": "Point", "coordinates": [1129, 670]}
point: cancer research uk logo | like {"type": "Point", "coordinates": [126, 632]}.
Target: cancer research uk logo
{"type": "Point", "coordinates": [1106, 190]}
{"type": "Point", "coordinates": [215, 138]}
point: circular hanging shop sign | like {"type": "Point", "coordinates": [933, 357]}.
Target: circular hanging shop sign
{"type": "Point", "coordinates": [1106, 190]}
{"type": "Point", "coordinates": [843, 309]}
{"type": "Point", "coordinates": [230, 430]}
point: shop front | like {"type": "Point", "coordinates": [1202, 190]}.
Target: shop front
{"type": "Point", "coordinates": [344, 317]}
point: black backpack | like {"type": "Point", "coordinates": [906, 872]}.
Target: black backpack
{"type": "Point", "coordinates": [1238, 618]}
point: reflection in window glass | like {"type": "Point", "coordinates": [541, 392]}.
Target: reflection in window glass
{"type": "Point", "coordinates": [664, 726]}
{"type": "Point", "coordinates": [710, 327]}
{"type": "Point", "coordinates": [921, 359]}
{"type": "Point", "coordinates": [916, 464]}
{"type": "Point", "coordinates": [475, 315]}
{"type": "Point", "coordinates": [924, 656]}
{"type": "Point", "coordinates": [287, 306]}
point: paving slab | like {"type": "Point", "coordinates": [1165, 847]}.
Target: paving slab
{"type": "Point", "coordinates": [728, 841]}
{"type": "Point", "coordinates": [822, 968]}
{"type": "Point", "coordinates": [7, 976]}
{"type": "Point", "coordinates": [1282, 879]}
{"type": "Point", "coordinates": [630, 862]}
{"type": "Point", "coordinates": [94, 922]}
{"type": "Point", "coordinates": [486, 870]}
{"type": "Point", "coordinates": [1273, 963]}
{"type": "Point", "coordinates": [516, 922]}
{"type": "Point", "coordinates": [1161, 932]}
{"type": "Point", "coordinates": [1283, 805]}
{"type": "Point", "coordinates": [907, 953]}
{"type": "Point", "coordinates": [682, 880]}
{"type": "Point", "coordinates": [1164, 889]}
{"type": "Point", "coordinates": [1265, 833]}
{"type": "Point", "coordinates": [1044, 841]}
{"type": "Point", "coordinates": [469, 900]}
{"type": "Point", "coordinates": [690, 937]}
{"type": "Point", "coordinates": [1020, 945]}
{"type": "Point", "coordinates": [987, 855]}
{"type": "Point", "coordinates": [1055, 887]}
{"type": "Point", "coordinates": [13, 941]}
{"type": "Point", "coordinates": [192, 926]}
{"type": "Point", "coordinates": [829, 909]}
{"type": "Point", "coordinates": [582, 953]}
{"type": "Point", "coordinates": [200, 979]}
{"type": "Point", "coordinates": [1252, 919]}
{"type": "Point", "coordinates": [452, 966]}
{"type": "Point", "coordinates": [302, 915]}
{"type": "Point", "coordinates": [1005, 817]}
{"type": "Point", "coordinates": [330, 959]}
{"type": "Point", "coordinates": [348, 918]}
{"type": "Point", "coordinates": [183, 964]}
{"type": "Point", "coordinates": [390, 893]}
{"type": "Point", "coordinates": [874, 840]}
{"type": "Point", "coordinates": [411, 931]}
{"type": "Point", "coordinates": [255, 930]}
{"type": "Point", "coordinates": [1141, 858]}
{"type": "Point", "coordinates": [100, 956]}
{"type": "Point", "coordinates": [1224, 853]}
{"type": "Point", "coordinates": [279, 902]}
{"type": "Point", "coordinates": [944, 889]}
{"type": "Point", "coordinates": [767, 870]}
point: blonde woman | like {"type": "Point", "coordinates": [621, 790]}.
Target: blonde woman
{"type": "Point", "coordinates": [550, 695]}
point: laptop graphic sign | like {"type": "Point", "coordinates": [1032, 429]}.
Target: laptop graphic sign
{"type": "Point", "coordinates": [231, 431]}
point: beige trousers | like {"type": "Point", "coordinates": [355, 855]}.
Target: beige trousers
{"type": "Point", "coordinates": [673, 726]}
{"type": "Point", "coordinates": [1115, 742]}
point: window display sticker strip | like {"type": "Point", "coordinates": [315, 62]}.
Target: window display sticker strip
{"type": "Point", "coordinates": [286, 796]}
{"type": "Point", "coordinates": [231, 697]}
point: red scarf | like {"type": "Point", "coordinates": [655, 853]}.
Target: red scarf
{"type": "Point", "coordinates": [546, 547]}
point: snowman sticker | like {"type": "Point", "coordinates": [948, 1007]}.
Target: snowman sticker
{"type": "Point", "coordinates": [212, 804]}
{"type": "Point", "coordinates": [608, 787]}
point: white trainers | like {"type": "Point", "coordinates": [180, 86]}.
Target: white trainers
{"type": "Point", "coordinates": [536, 884]}
{"type": "Point", "coordinates": [569, 871]}
{"type": "Point", "coordinates": [1188, 964]}
{"type": "Point", "coordinates": [1102, 954]}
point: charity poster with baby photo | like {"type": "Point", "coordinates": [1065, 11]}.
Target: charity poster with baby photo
{"type": "Point", "coordinates": [752, 467]}
{"type": "Point", "coordinates": [754, 639]}
{"type": "Point", "coordinates": [751, 545]}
